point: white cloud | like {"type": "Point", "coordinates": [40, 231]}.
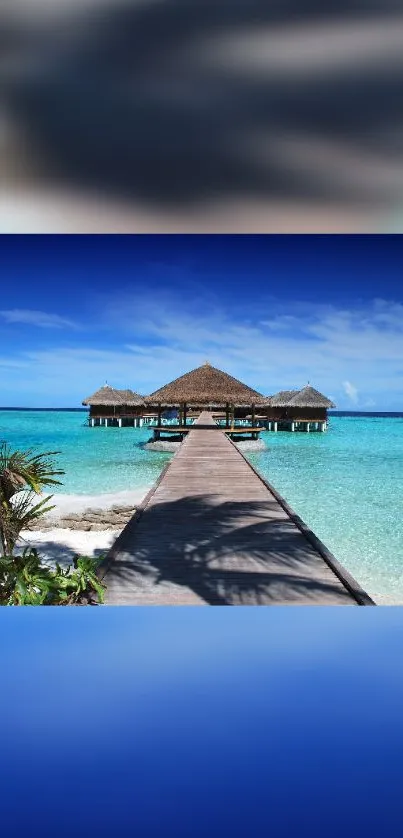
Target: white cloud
{"type": "Point", "coordinates": [160, 340]}
{"type": "Point", "coordinates": [351, 391]}
{"type": "Point", "coordinates": [42, 319]}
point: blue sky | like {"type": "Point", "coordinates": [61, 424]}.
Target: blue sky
{"type": "Point", "coordinates": [137, 311]}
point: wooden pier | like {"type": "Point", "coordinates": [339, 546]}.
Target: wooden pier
{"type": "Point", "coordinates": [213, 532]}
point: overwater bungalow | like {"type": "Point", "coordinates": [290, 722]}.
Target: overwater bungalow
{"type": "Point", "coordinates": [206, 387]}
{"type": "Point", "coordinates": [298, 410]}
{"type": "Point", "coordinates": [115, 408]}
{"type": "Point", "coordinates": [234, 405]}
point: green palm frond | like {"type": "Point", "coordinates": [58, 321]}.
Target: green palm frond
{"type": "Point", "coordinates": [23, 474]}
{"type": "Point", "coordinates": [36, 470]}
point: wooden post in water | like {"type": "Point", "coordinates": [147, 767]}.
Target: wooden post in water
{"type": "Point", "coordinates": [253, 416]}
{"type": "Point", "coordinates": [184, 413]}
{"type": "Point", "coordinates": [159, 414]}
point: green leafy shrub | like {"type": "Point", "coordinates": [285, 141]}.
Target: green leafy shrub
{"type": "Point", "coordinates": [25, 580]}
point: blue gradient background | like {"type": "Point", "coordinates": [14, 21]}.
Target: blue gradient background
{"type": "Point", "coordinates": [195, 721]}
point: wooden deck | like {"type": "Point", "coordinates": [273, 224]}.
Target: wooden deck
{"type": "Point", "coordinates": [185, 429]}
{"type": "Point", "coordinates": [212, 532]}
{"type": "Point", "coordinates": [162, 431]}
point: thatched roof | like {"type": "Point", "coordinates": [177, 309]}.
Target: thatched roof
{"type": "Point", "coordinates": [130, 397]}
{"type": "Point", "coordinates": [307, 397]}
{"type": "Point", "coordinates": [205, 385]}
{"type": "Point", "coordinates": [108, 396]}
{"type": "Point", "coordinates": [282, 398]}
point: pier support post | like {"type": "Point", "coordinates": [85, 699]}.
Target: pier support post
{"type": "Point", "coordinates": [92, 422]}
{"type": "Point", "coordinates": [120, 423]}
{"type": "Point", "coordinates": [293, 426]}
{"type": "Point", "coordinates": [141, 420]}
{"type": "Point", "coordinates": [106, 423]}
{"type": "Point", "coordinates": [275, 427]}
{"type": "Point", "coordinates": [308, 427]}
{"type": "Point", "coordinates": [323, 426]}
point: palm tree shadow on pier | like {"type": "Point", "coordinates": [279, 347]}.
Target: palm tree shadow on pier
{"type": "Point", "coordinates": [197, 550]}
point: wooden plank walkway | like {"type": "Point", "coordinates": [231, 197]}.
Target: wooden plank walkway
{"type": "Point", "coordinates": [212, 532]}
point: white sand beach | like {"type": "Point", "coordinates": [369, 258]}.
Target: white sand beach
{"type": "Point", "coordinates": [59, 543]}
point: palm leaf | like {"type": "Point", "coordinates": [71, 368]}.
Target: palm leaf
{"type": "Point", "coordinates": [37, 470]}
{"type": "Point", "coordinates": [23, 474]}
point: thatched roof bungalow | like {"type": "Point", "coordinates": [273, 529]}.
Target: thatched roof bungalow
{"type": "Point", "coordinates": [115, 407]}
{"type": "Point", "coordinates": [303, 406]}
{"type": "Point", "coordinates": [205, 386]}
{"type": "Point", "coordinates": [308, 397]}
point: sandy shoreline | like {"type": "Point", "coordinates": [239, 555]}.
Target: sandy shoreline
{"type": "Point", "coordinates": [103, 518]}
{"type": "Point", "coordinates": [60, 545]}
{"type": "Point", "coordinates": [69, 504]}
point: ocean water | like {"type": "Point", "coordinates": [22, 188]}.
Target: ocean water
{"type": "Point", "coordinates": [347, 483]}
{"type": "Point", "coordinates": [95, 460]}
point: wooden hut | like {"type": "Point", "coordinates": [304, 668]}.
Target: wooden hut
{"type": "Point", "coordinates": [112, 407]}
{"type": "Point", "coordinates": [206, 388]}
{"type": "Point", "coordinates": [298, 410]}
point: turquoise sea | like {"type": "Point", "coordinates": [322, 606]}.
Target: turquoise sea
{"type": "Point", "coordinates": [347, 483]}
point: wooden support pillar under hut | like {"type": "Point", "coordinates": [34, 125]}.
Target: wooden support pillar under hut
{"type": "Point", "coordinates": [159, 421]}
{"type": "Point", "coordinates": [227, 415]}
{"type": "Point", "coordinates": [253, 415]}
{"type": "Point", "coordinates": [184, 413]}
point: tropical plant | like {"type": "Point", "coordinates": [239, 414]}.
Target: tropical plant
{"type": "Point", "coordinates": [23, 475]}
{"type": "Point", "coordinates": [24, 580]}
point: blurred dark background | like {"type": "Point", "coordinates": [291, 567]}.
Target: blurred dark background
{"type": "Point", "coordinates": [254, 115]}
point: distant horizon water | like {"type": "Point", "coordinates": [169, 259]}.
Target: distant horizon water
{"type": "Point", "coordinates": [346, 484]}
